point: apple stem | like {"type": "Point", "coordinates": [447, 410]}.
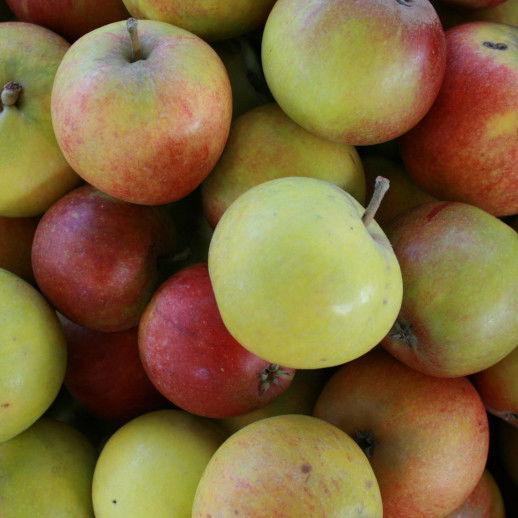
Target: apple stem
{"type": "Point", "coordinates": [381, 186]}
{"type": "Point", "coordinates": [136, 49]}
{"type": "Point", "coordinates": [11, 93]}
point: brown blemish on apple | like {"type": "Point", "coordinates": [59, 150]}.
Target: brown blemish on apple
{"type": "Point", "coordinates": [368, 484]}
{"type": "Point", "coordinates": [305, 468]}
{"type": "Point", "coordinates": [5, 405]}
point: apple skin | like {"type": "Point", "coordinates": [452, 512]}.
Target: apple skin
{"type": "Point", "coordinates": [33, 355]}
{"type": "Point", "coordinates": [466, 147]}
{"type": "Point", "coordinates": [105, 374]}
{"type": "Point", "coordinates": [299, 279]}
{"type": "Point", "coordinates": [209, 19]}
{"type": "Point", "coordinates": [16, 235]}
{"type": "Point", "coordinates": [426, 436]}
{"type": "Point", "coordinates": [484, 502]}
{"type": "Point", "coordinates": [460, 289]}
{"type": "Point", "coordinates": [46, 471]}
{"type": "Point", "coordinates": [193, 360]}
{"type": "Point", "coordinates": [498, 388]}
{"type": "Point", "coordinates": [96, 258]}
{"type": "Point", "coordinates": [403, 193]}
{"type": "Point", "coordinates": [33, 170]}
{"type": "Point", "coordinates": [70, 18]}
{"type": "Point", "coordinates": [146, 132]}
{"type": "Point", "coordinates": [265, 144]}
{"type": "Point", "coordinates": [334, 97]}
{"type": "Point", "coordinates": [150, 467]}
{"type": "Point", "coordinates": [291, 466]}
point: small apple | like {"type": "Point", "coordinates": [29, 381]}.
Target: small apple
{"type": "Point", "coordinates": [142, 110]}
{"type": "Point", "coordinates": [360, 73]}
{"type": "Point", "coordinates": [302, 274]}
{"type": "Point", "coordinates": [265, 144]}
{"type": "Point", "coordinates": [97, 258]}
{"type": "Point", "coordinates": [33, 171]}
{"type": "Point", "coordinates": [70, 19]}
{"type": "Point", "coordinates": [292, 466]}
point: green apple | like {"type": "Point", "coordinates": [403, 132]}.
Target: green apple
{"type": "Point", "coordinates": [33, 171]}
{"type": "Point", "coordinates": [150, 467]}
{"type": "Point", "coordinates": [46, 472]}
{"type": "Point", "coordinates": [265, 144]}
{"type": "Point", "coordinates": [302, 277]}
{"type": "Point", "coordinates": [32, 355]}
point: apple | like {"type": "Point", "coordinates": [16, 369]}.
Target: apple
{"type": "Point", "coordinates": [32, 355]}
{"type": "Point", "coordinates": [46, 471]}
{"type": "Point", "coordinates": [466, 148]}
{"type": "Point", "coordinates": [403, 193]}
{"type": "Point", "coordinates": [498, 388]}
{"type": "Point", "coordinates": [427, 438]}
{"type": "Point", "coordinates": [460, 289]}
{"type": "Point", "coordinates": [302, 274]}
{"type": "Point", "coordinates": [360, 73]}
{"type": "Point", "coordinates": [193, 360]}
{"type": "Point", "coordinates": [105, 374]}
{"type": "Point", "coordinates": [291, 466]}
{"type": "Point", "coordinates": [16, 235]}
{"type": "Point", "coordinates": [265, 144]}
{"type": "Point", "coordinates": [485, 501]}
{"type": "Point", "coordinates": [71, 19]}
{"type": "Point", "coordinates": [96, 258]}
{"type": "Point", "coordinates": [33, 171]}
{"type": "Point", "coordinates": [142, 110]}
{"type": "Point", "coordinates": [150, 467]}
{"type": "Point", "coordinates": [209, 19]}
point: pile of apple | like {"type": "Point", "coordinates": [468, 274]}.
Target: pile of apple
{"type": "Point", "coordinates": [258, 258]}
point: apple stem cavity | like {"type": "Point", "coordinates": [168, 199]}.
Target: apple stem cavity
{"type": "Point", "coordinates": [11, 93]}
{"type": "Point", "coordinates": [365, 440]}
{"type": "Point", "coordinates": [381, 186]}
{"type": "Point", "coordinates": [403, 331]}
{"type": "Point", "coordinates": [270, 375]}
{"type": "Point", "coordinates": [136, 48]}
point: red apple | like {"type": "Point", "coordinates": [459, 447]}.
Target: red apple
{"type": "Point", "coordinates": [194, 361]}
{"type": "Point", "coordinates": [466, 148]}
{"type": "Point", "coordinates": [95, 257]}
{"type": "Point", "coordinates": [70, 18]}
{"type": "Point", "coordinates": [427, 438]}
{"type": "Point", "coordinates": [142, 112]}
{"type": "Point", "coordinates": [105, 374]}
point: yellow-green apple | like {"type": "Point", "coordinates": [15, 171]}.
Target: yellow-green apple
{"type": "Point", "coordinates": [358, 72]}
{"type": "Point", "coordinates": [151, 466]}
{"type": "Point", "coordinates": [104, 373]}
{"type": "Point", "coordinates": [32, 355]}
{"type": "Point", "coordinates": [498, 388]}
{"type": "Point", "coordinates": [209, 19]}
{"type": "Point", "coordinates": [265, 144]}
{"type": "Point", "coordinates": [16, 235]}
{"type": "Point", "coordinates": [403, 193]}
{"type": "Point", "coordinates": [460, 289]}
{"type": "Point", "coordinates": [506, 439]}
{"type": "Point", "coordinates": [33, 171]}
{"type": "Point", "coordinates": [302, 274]}
{"type": "Point", "coordinates": [427, 438]}
{"type": "Point", "coordinates": [466, 147]}
{"type": "Point", "coordinates": [46, 471]}
{"type": "Point", "coordinates": [69, 18]}
{"type": "Point", "coordinates": [291, 466]}
{"type": "Point", "coordinates": [485, 501]}
{"type": "Point", "coordinates": [142, 110]}
{"type": "Point", "coordinates": [96, 258]}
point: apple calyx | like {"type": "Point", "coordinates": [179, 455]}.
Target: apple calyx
{"type": "Point", "coordinates": [406, 3]}
{"type": "Point", "coordinates": [495, 46]}
{"type": "Point", "coordinates": [136, 48]}
{"type": "Point", "coordinates": [11, 93]}
{"type": "Point", "coordinates": [403, 331]}
{"type": "Point", "coordinates": [381, 186]}
{"type": "Point", "coordinates": [365, 440]}
{"type": "Point", "coordinates": [270, 375]}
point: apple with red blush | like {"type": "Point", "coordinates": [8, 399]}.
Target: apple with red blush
{"type": "Point", "coordinates": [193, 360]}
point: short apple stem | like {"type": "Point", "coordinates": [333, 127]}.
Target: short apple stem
{"type": "Point", "coordinates": [381, 186]}
{"type": "Point", "coordinates": [11, 93]}
{"type": "Point", "coordinates": [136, 49]}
